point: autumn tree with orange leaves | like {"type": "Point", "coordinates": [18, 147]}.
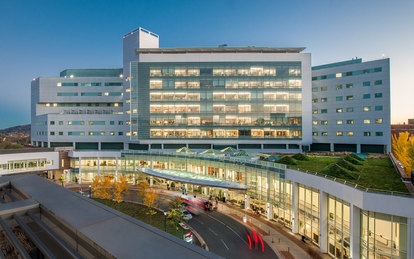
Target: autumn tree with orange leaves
{"type": "Point", "coordinates": [403, 150]}
{"type": "Point", "coordinates": [120, 188]}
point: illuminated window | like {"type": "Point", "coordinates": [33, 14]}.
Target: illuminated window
{"type": "Point", "coordinates": [378, 121]}
{"type": "Point", "coordinates": [324, 88]}
{"type": "Point", "coordinates": [324, 100]}
{"type": "Point", "coordinates": [155, 84]}
{"type": "Point", "coordinates": [350, 97]}
{"type": "Point", "coordinates": [315, 122]}
{"type": "Point", "coordinates": [338, 74]}
{"type": "Point", "coordinates": [367, 133]}
{"type": "Point", "coordinates": [367, 108]}
{"type": "Point", "coordinates": [314, 133]}
{"type": "Point", "coordinates": [350, 122]}
{"type": "Point", "coordinates": [339, 110]}
{"type": "Point", "coordinates": [338, 87]}
{"type": "Point", "coordinates": [324, 122]}
{"type": "Point", "coordinates": [339, 133]}
{"type": "Point", "coordinates": [324, 133]}
{"type": "Point", "coordinates": [339, 122]}
{"type": "Point", "coordinates": [367, 121]}
{"type": "Point", "coordinates": [349, 85]}
{"type": "Point", "coordinates": [350, 133]}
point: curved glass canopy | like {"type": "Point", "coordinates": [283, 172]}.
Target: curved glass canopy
{"type": "Point", "coordinates": [192, 178]}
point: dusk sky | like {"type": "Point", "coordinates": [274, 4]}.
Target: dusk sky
{"type": "Point", "coordinates": [42, 38]}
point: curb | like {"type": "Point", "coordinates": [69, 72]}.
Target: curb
{"type": "Point", "coordinates": [200, 238]}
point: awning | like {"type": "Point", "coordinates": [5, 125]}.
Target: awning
{"type": "Point", "coordinates": [192, 178]}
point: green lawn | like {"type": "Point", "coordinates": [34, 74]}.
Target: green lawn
{"type": "Point", "coordinates": [374, 173]}
{"type": "Point", "coordinates": [139, 212]}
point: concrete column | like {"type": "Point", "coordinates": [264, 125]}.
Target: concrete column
{"type": "Point", "coordinates": [323, 221]}
{"type": "Point", "coordinates": [410, 238]}
{"type": "Point", "coordinates": [99, 146]}
{"type": "Point", "coordinates": [355, 229]}
{"type": "Point", "coordinates": [126, 146]}
{"type": "Point", "coordinates": [80, 172]}
{"type": "Point", "coordinates": [358, 148]}
{"type": "Point", "coordinates": [332, 147]}
{"type": "Point", "coordinates": [133, 178]}
{"type": "Point", "coordinates": [98, 164]}
{"type": "Point", "coordinates": [74, 145]}
{"type": "Point", "coordinates": [151, 181]}
{"type": "Point", "coordinates": [269, 211]}
{"type": "Point", "coordinates": [48, 144]}
{"type": "Point", "coordinates": [261, 146]}
{"type": "Point", "coordinates": [246, 201]}
{"type": "Point", "coordinates": [116, 169]}
{"type": "Point", "coordinates": [295, 204]}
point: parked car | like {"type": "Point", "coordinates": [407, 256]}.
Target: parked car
{"type": "Point", "coordinates": [187, 215]}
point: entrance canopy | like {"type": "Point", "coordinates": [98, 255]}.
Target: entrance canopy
{"type": "Point", "coordinates": [192, 178]}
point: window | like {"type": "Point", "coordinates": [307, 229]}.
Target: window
{"type": "Point", "coordinates": [120, 123]}
{"type": "Point", "coordinates": [52, 122]}
{"type": "Point", "coordinates": [367, 121]}
{"type": "Point", "coordinates": [367, 133]}
{"type": "Point", "coordinates": [111, 123]}
{"type": "Point", "coordinates": [378, 121]}
{"type": "Point", "coordinates": [339, 133]}
{"type": "Point", "coordinates": [315, 111]}
{"type": "Point", "coordinates": [324, 110]}
{"type": "Point", "coordinates": [120, 133]}
{"type": "Point", "coordinates": [111, 133]}
{"type": "Point", "coordinates": [338, 75]}
{"type": "Point", "coordinates": [378, 95]}
{"type": "Point", "coordinates": [338, 110]}
{"type": "Point", "coordinates": [350, 133]}
{"type": "Point", "coordinates": [339, 98]}
{"type": "Point", "coordinates": [114, 84]}
{"type": "Point", "coordinates": [315, 100]}
{"type": "Point", "coordinates": [324, 100]}
{"type": "Point", "coordinates": [324, 88]}
{"type": "Point", "coordinates": [349, 85]}
{"type": "Point", "coordinates": [60, 133]}
{"type": "Point", "coordinates": [67, 84]}
{"type": "Point", "coordinates": [378, 69]}
{"type": "Point", "coordinates": [96, 133]}
{"type": "Point", "coordinates": [324, 122]}
{"type": "Point", "coordinates": [314, 133]}
{"type": "Point", "coordinates": [90, 84]}
{"type": "Point", "coordinates": [314, 89]}
{"type": "Point", "coordinates": [349, 121]}
{"type": "Point", "coordinates": [155, 84]}
{"type": "Point", "coordinates": [96, 122]}
{"type": "Point", "coordinates": [350, 97]}
{"type": "Point", "coordinates": [60, 122]}
{"type": "Point", "coordinates": [366, 96]}
{"type": "Point", "coordinates": [367, 108]}
{"type": "Point", "coordinates": [366, 83]}
{"type": "Point", "coordinates": [349, 109]}
{"type": "Point", "coordinates": [339, 122]}
{"type": "Point", "coordinates": [324, 133]}
{"type": "Point", "coordinates": [76, 122]}
{"type": "Point", "coordinates": [67, 94]}
{"type": "Point", "coordinates": [52, 133]}
{"type": "Point", "coordinates": [378, 82]}
{"type": "Point", "coordinates": [314, 122]}
{"type": "Point", "coordinates": [76, 133]}
{"type": "Point", "coordinates": [379, 134]}
{"type": "Point", "coordinates": [338, 87]}
{"type": "Point", "coordinates": [378, 108]}
{"type": "Point", "coordinates": [91, 94]}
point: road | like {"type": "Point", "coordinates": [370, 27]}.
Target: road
{"type": "Point", "coordinates": [224, 235]}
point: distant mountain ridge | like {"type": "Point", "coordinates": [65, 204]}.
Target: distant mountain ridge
{"type": "Point", "coordinates": [17, 130]}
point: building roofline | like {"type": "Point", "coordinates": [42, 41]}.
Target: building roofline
{"type": "Point", "coordinates": [140, 29]}
{"type": "Point", "coordinates": [338, 64]}
{"type": "Point", "coordinates": [217, 50]}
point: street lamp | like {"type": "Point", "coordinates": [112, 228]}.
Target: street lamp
{"type": "Point", "coordinates": [90, 191]}
{"type": "Point", "coordinates": [165, 221]}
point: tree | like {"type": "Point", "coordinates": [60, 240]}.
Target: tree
{"type": "Point", "coordinates": [142, 189]}
{"type": "Point", "coordinates": [401, 147]}
{"type": "Point", "coordinates": [176, 215]}
{"type": "Point", "coordinates": [410, 166]}
{"type": "Point", "coordinates": [96, 187]}
{"type": "Point", "coordinates": [151, 201]}
{"type": "Point", "coordinates": [106, 188]}
{"type": "Point", "coordinates": [120, 188]}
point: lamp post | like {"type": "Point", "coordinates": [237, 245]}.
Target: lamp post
{"type": "Point", "coordinates": [90, 191]}
{"type": "Point", "coordinates": [165, 221]}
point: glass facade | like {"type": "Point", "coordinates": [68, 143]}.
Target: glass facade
{"type": "Point", "coordinates": [218, 100]}
{"type": "Point", "coordinates": [339, 220]}
{"type": "Point", "coordinates": [308, 208]}
{"type": "Point", "coordinates": [383, 235]}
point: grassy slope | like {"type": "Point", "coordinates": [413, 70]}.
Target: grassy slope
{"type": "Point", "coordinates": [139, 212]}
{"type": "Point", "coordinates": [375, 173]}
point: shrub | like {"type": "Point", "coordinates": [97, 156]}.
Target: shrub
{"type": "Point", "coordinates": [352, 160]}
{"type": "Point", "coordinates": [301, 157]}
{"type": "Point", "coordinates": [357, 157]}
{"type": "Point", "coordinates": [345, 164]}
{"type": "Point", "coordinates": [287, 160]}
{"type": "Point", "coordinates": [337, 171]}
